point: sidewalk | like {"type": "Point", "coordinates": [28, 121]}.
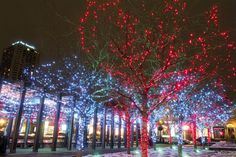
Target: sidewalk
{"type": "Point", "coordinates": [168, 152]}
{"type": "Point", "coordinates": [62, 152]}
{"type": "Point", "coordinates": [161, 151]}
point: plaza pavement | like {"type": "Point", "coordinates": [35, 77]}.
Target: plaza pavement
{"type": "Point", "coordinates": [168, 152]}
{"type": "Point", "coordinates": [188, 151]}
{"type": "Point", "coordinates": [62, 152]}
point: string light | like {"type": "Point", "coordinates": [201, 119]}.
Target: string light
{"type": "Point", "coordinates": [143, 50]}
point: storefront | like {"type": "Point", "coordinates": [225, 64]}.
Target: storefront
{"type": "Point", "coordinates": [219, 132]}
{"type": "Point", "coordinates": [230, 130]}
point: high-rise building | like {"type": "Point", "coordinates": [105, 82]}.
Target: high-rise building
{"type": "Point", "coordinates": [18, 61]}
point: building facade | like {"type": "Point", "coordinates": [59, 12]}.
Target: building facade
{"type": "Point", "coordinates": [18, 61]}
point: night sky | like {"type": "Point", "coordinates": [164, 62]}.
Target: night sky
{"type": "Point", "coordinates": [51, 25]}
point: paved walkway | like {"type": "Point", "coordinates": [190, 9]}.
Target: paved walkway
{"type": "Point", "coordinates": [168, 152]}
{"type": "Point", "coordinates": [188, 151]}
{"type": "Point", "coordinates": [63, 152]}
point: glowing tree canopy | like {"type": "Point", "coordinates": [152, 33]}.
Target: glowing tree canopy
{"type": "Point", "coordinates": [142, 43]}
{"type": "Point", "coordinates": [89, 89]}
{"type": "Point", "coordinates": [10, 97]}
{"type": "Point", "coordinates": [211, 107]}
{"type": "Point", "coordinates": [203, 107]}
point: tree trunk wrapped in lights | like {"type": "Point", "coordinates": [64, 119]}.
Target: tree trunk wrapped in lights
{"type": "Point", "coordinates": [94, 136]}
{"type": "Point", "coordinates": [153, 137]}
{"type": "Point", "coordinates": [119, 132]}
{"type": "Point", "coordinates": [81, 142]}
{"type": "Point", "coordinates": [112, 130]}
{"type": "Point", "coordinates": [71, 125]}
{"type": "Point", "coordinates": [203, 139]}
{"type": "Point", "coordinates": [132, 135]}
{"type": "Point", "coordinates": [209, 135]}
{"type": "Point", "coordinates": [180, 136]}
{"type": "Point", "coordinates": [137, 134]}
{"type": "Point", "coordinates": [104, 124]}
{"type": "Point", "coordinates": [128, 131]}
{"type": "Point", "coordinates": [194, 132]}
{"type": "Point", "coordinates": [170, 137]}
{"type": "Point", "coordinates": [144, 136]}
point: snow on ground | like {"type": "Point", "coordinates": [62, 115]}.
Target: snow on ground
{"type": "Point", "coordinates": [168, 152]}
{"type": "Point", "coordinates": [224, 144]}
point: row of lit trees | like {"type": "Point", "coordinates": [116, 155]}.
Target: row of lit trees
{"type": "Point", "coordinates": [144, 54]}
{"type": "Point", "coordinates": [89, 90]}
{"type": "Point", "coordinates": [142, 44]}
{"type": "Point", "coordinates": [202, 108]}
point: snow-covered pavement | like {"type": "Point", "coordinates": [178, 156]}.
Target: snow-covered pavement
{"type": "Point", "coordinates": [168, 152]}
{"type": "Point", "coordinates": [224, 145]}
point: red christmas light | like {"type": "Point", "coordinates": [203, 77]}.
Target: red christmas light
{"type": "Point", "coordinates": [145, 51]}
